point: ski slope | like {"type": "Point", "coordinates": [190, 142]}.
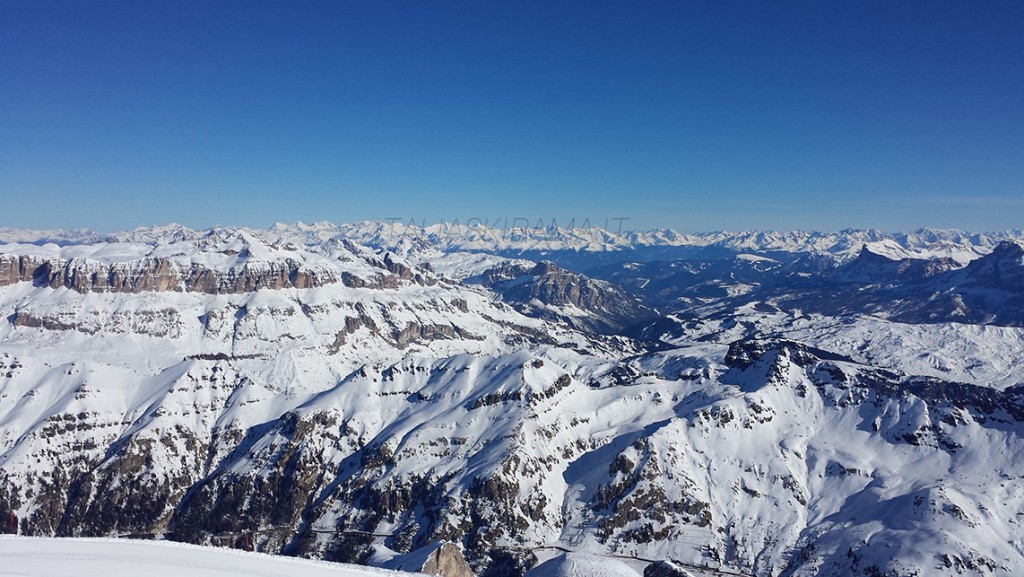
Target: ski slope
{"type": "Point", "coordinates": [47, 557]}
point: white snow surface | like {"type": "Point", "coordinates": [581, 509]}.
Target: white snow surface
{"type": "Point", "coordinates": [67, 557]}
{"type": "Point", "coordinates": [582, 565]}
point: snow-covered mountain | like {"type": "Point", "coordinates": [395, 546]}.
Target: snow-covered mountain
{"type": "Point", "coordinates": [316, 391]}
{"type": "Point", "coordinates": [584, 245]}
{"type": "Point", "coordinates": [593, 243]}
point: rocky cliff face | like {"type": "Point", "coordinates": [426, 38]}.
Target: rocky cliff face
{"type": "Point", "coordinates": [443, 558]}
{"type": "Point", "coordinates": [547, 291]}
{"type": "Point", "coordinates": [219, 262]}
{"type": "Point", "coordinates": [160, 275]}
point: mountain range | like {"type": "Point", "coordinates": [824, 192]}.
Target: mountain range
{"type": "Point", "coordinates": [756, 403]}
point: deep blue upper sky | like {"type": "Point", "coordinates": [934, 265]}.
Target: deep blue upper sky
{"type": "Point", "coordinates": [695, 115]}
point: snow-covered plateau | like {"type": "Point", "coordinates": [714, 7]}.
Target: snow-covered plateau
{"type": "Point", "coordinates": [760, 404]}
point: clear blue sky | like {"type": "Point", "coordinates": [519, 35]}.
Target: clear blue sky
{"type": "Point", "coordinates": [695, 115]}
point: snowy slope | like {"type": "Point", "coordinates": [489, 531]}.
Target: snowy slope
{"type": "Point", "coordinates": [582, 565]}
{"type": "Point", "coordinates": [42, 557]}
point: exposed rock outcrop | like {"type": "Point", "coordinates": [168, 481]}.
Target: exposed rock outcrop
{"type": "Point", "coordinates": [665, 569]}
{"type": "Point", "coordinates": [159, 275]}
{"type": "Point", "coordinates": [443, 559]}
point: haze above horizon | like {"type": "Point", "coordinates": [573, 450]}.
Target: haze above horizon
{"type": "Point", "coordinates": [690, 116]}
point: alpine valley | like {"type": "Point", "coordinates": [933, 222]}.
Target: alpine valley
{"type": "Point", "coordinates": [549, 401]}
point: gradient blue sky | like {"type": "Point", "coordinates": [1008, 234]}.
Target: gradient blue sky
{"type": "Point", "coordinates": [692, 115]}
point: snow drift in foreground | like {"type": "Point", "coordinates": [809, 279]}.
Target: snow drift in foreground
{"type": "Point", "coordinates": [45, 557]}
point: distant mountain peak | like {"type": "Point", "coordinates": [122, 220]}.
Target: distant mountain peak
{"type": "Point", "coordinates": [1008, 248]}
{"type": "Point", "coordinates": [866, 255]}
